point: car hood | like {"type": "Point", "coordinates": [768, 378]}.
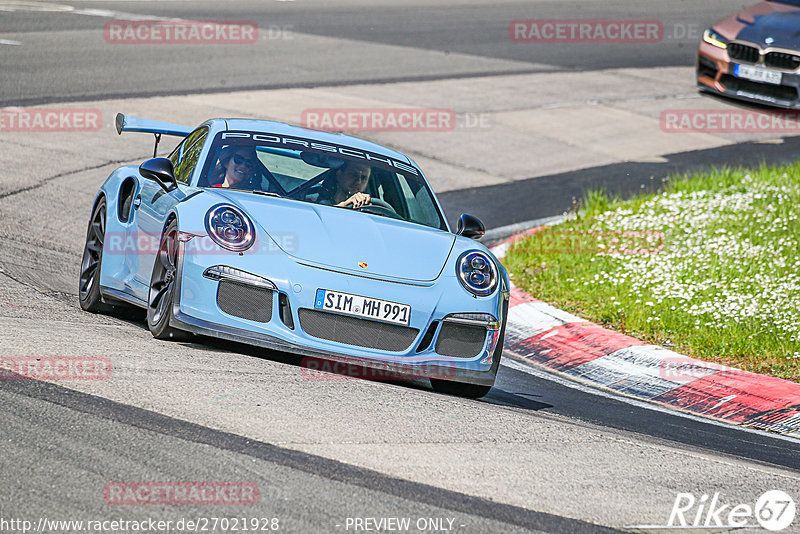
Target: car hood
{"type": "Point", "coordinates": [348, 240]}
{"type": "Point", "coordinates": [779, 29]}
{"type": "Point", "coordinates": [750, 23]}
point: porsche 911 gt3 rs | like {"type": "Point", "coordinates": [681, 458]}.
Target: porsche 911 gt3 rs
{"type": "Point", "coordinates": [235, 236]}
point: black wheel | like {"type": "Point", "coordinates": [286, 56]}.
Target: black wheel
{"type": "Point", "coordinates": [460, 389]}
{"type": "Point", "coordinates": [162, 288]}
{"type": "Point", "coordinates": [89, 278]}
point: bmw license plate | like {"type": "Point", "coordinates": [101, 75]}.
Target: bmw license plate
{"type": "Point", "coordinates": [758, 74]}
{"type": "Point", "coordinates": [358, 306]}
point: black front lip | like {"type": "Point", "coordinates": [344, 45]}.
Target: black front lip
{"type": "Point", "coordinates": [793, 79]}
{"type": "Point", "coordinates": [784, 104]}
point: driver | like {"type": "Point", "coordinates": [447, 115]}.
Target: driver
{"type": "Point", "coordinates": [350, 182]}
{"type": "Point", "coordinates": [237, 168]}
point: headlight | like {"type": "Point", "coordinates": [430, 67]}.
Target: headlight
{"type": "Point", "coordinates": [477, 273]}
{"type": "Point", "coordinates": [230, 228]}
{"type": "Point", "coordinates": [715, 39]}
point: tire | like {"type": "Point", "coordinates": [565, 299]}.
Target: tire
{"type": "Point", "coordinates": [91, 263]}
{"type": "Point", "coordinates": [162, 288]}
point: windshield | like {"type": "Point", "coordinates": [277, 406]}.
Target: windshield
{"type": "Point", "coordinates": [326, 174]}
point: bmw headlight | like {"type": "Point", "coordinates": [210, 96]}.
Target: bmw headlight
{"type": "Point", "coordinates": [715, 39]}
{"type": "Point", "coordinates": [230, 228]}
{"type": "Point", "coordinates": [477, 273]}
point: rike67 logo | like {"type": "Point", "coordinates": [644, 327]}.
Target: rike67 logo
{"type": "Point", "coordinates": [774, 510]}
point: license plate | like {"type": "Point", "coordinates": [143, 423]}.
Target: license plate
{"type": "Point", "coordinates": [758, 74]}
{"type": "Point", "coordinates": [358, 306]}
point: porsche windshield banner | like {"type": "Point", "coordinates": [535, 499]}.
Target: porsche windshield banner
{"type": "Point", "coordinates": [296, 143]}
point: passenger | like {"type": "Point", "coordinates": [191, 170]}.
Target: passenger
{"type": "Point", "coordinates": [347, 187]}
{"type": "Point", "coordinates": [237, 168]}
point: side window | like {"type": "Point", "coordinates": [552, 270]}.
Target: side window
{"type": "Point", "coordinates": [420, 204]}
{"type": "Point", "coordinates": [184, 157]}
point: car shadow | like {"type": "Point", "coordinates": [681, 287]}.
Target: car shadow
{"type": "Point", "coordinates": [309, 367]}
{"type": "Point", "coordinates": [502, 397]}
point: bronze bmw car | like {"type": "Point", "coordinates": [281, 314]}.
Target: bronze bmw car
{"type": "Point", "coordinates": [754, 55]}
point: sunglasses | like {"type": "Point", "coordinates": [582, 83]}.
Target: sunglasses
{"type": "Point", "coordinates": [239, 160]}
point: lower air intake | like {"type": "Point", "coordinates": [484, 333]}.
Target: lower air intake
{"type": "Point", "coordinates": [252, 303]}
{"type": "Point", "coordinates": [460, 341]}
{"type": "Point", "coordinates": [355, 331]}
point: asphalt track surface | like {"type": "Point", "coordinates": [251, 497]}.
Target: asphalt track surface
{"type": "Point", "coordinates": [77, 65]}
{"type": "Point", "coordinates": [59, 441]}
{"type": "Point", "coordinates": [109, 429]}
{"type": "Point", "coordinates": [60, 60]}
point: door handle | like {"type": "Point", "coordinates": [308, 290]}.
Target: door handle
{"type": "Point", "coordinates": [137, 202]}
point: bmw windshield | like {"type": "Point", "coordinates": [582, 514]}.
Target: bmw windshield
{"type": "Point", "coordinates": [310, 171]}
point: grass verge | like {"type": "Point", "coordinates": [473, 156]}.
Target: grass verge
{"type": "Point", "coordinates": [709, 267]}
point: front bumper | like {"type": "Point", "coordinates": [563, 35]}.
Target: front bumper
{"type": "Point", "coordinates": [196, 310]}
{"type": "Point", "coordinates": [715, 74]}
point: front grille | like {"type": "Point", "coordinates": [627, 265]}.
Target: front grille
{"type": "Point", "coordinates": [743, 53]}
{"type": "Point", "coordinates": [778, 92]}
{"type": "Point", "coordinates": [460, 341]}
{"type": "Point", "coordinates": [355, 331]}
{"type": "Point", "coordinates": [247, 302]}
{"type": "Point", "coordinates": [780, 60]}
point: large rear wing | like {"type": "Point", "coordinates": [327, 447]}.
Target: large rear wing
{"type": "Point", "coordinates": [126, 123]}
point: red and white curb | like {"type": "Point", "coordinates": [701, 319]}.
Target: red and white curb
{"type": "Point", "coordinates": [583, 351]}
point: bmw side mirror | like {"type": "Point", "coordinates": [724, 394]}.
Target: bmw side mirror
{"type": "Point", "coordinates": [470, 226]}
{"type": "Point", "coordinates": [160, 170]}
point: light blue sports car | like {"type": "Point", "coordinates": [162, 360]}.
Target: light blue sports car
{"type": "Point", "coordinates": [298, 240]}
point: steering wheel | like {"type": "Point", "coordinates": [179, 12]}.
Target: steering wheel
{"type": "Point", "coordinates": [380, 207]}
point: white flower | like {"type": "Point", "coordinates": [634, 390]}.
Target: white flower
{"type": "Point", "coordinates": [728, 256]}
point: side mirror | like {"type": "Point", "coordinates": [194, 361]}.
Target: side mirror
{"type": "Point", "coordinates": [470, 226]}
{"type": "Point", "coordinates": [160, 170]}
